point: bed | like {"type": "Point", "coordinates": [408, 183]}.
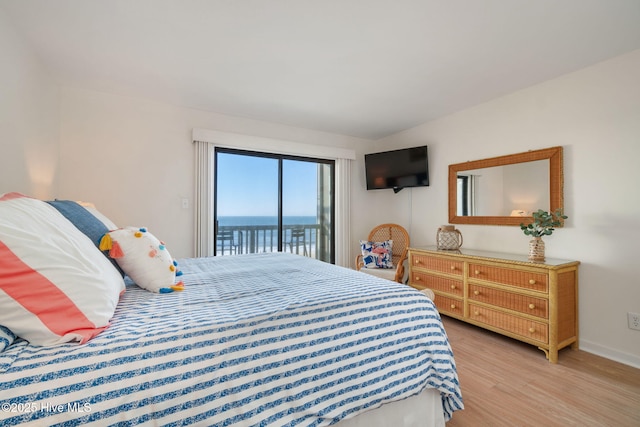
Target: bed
{"type": "Point", "coordinates": [257, 339]}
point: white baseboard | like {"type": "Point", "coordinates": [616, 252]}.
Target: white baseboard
{"type": "Point", "coordinates": [618, 356]}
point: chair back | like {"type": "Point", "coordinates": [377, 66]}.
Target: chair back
{"type": "Point", "coordinates": [225, 235]}
{"type": "Point", "coordinates": [297, 233]}
{"type": "Point", "coordinates": [394, 232]}
{"type": "Point", "coordinates": [225, 241]}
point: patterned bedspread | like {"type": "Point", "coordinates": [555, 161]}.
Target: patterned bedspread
{"type": "Point", "coordinates": [259, 339]}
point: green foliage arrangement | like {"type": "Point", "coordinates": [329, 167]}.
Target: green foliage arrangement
{"type": "Point", "coordinates": [543, 223]}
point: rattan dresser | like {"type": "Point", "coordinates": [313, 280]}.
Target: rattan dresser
{"type": "Point", "coordinates": [534, 302]}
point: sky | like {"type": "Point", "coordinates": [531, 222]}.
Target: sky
{"type": "Point", "coordinates": [248, 186]}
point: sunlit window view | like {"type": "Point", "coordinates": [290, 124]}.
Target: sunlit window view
{"type": "Point", "coordinates": [269, 203]}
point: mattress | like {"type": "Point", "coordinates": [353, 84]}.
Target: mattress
{"type": "Point", "coordinates": [420, 410]}
{"type": "Point", "coordinates": [257, 339]}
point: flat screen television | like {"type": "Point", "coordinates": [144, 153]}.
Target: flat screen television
{"type": "Point", "coordinates": [397, 169]}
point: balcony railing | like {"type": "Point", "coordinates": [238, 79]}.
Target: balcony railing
{"type": "Point", "coordinates": [245, 239]}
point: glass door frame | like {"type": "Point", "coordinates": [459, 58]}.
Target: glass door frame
{"type": "Point", "coordinates": [280, 158]}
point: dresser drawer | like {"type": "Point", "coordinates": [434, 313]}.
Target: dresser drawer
{"type": "Point", "coordinates": [441, 265]}
{"type": "Point", "coordinates": [524, 304]}
{"type": "Point", "coordinates": [420, 279]}
{"type": "Point", "coordinates": [528, 329]}
{"type": "Point", "coordinates": [509, 276]}
{"type": "Point", "coordinates": [446, 305]}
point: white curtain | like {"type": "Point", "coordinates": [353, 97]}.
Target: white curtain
{"type": "Point", "coordinates": [343, 212]}
{"type": "Point", "coordinates": [205, 142]}
{"type": "Point", "coordinates": [203, 204]}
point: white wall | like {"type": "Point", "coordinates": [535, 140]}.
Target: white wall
{"type": "Point", "coordinates": [134, 158]}
{"type": "Point", "coordinates": [28, 119]}
{"type": "Point", "coordinates": [595, 115]}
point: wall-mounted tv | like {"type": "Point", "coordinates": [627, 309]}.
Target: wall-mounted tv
{"type": "Point", "coordinates": [397, 169]}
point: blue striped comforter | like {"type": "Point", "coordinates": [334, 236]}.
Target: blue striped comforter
{"type": "Point", "coordinates": [260, 339]}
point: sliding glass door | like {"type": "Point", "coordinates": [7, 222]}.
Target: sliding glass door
{"type": "Point", "coordinates": [246, 204]}
{"type": "Point", "coordinates": [268, 202]}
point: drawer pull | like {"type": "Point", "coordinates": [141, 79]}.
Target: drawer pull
{"type": "Point", "coordinates": [453, 306]}
{"type": "Point", "coordinates": [417, 261]}
{"type": "Point", "coordinates": [417, 279]}
{"type": "Point", "coordinates": [476, 292]}
{"type": "Point", "coordinates": [532, 330]}
{"type": "Point", "coordinates": [477, 272]}
{"type": "Point", "coordinates": [453, 267]}
{"type": "Point", "coordinates": [477, 313]}
{"type": "Point", "coordinates": [532, 282]}
{"type": "Point", "coordinates": [453, 286]}
{"type": "Point", "coordinates": [532, 306]}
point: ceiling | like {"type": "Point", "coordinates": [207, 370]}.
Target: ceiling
{"type": "Point", "coordinates": [365, 68]}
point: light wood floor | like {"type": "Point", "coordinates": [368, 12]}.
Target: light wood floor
{"type": "Point", "coordinates": [508, 383]}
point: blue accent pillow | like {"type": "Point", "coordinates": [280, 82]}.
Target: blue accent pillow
{"type": "Point", "coordinates": [377, 254]}
{"type": "Point", "coordinates": [6, 337]}
{"type": "Point", "coordinates": [84, 221]}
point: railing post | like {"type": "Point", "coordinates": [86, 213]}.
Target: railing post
{"type": "Point", "coordinates": [251, 238]}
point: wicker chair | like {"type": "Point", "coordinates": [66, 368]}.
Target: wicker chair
{"type": "Point", "coordinates": [400, 238]}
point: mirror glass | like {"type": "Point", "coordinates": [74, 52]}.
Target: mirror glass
{"type": "Point", "coordinates": [505, 190]}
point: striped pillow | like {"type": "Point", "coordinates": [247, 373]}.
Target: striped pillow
{"type": "Point", "coordinates": [55, 285]}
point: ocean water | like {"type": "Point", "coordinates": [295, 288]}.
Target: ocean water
{"type": "Point", "coordinates": [264, 220]}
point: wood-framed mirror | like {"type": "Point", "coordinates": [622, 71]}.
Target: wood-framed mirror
{"type": "Point", "coordinates": [505, 190]}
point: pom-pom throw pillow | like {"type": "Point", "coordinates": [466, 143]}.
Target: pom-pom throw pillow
{"type": "Point", "coordinates": [377, 254]}
{"type": "Point", "coordinates": [55, 285]}
{"type": "Point", "coordinates": [144, 258]}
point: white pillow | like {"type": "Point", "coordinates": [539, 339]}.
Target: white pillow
{"type": "Point", "coordinates": [100, 216]}
{"type": "Point", "coordinates": [143, 258]}
{"type": "Point", "coordinates": [55, 285]}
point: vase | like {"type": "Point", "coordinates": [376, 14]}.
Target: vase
{"type": "Point", "coordinates": [536, 249]}
{"type": "Point", "coordinates": [448, 238]}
